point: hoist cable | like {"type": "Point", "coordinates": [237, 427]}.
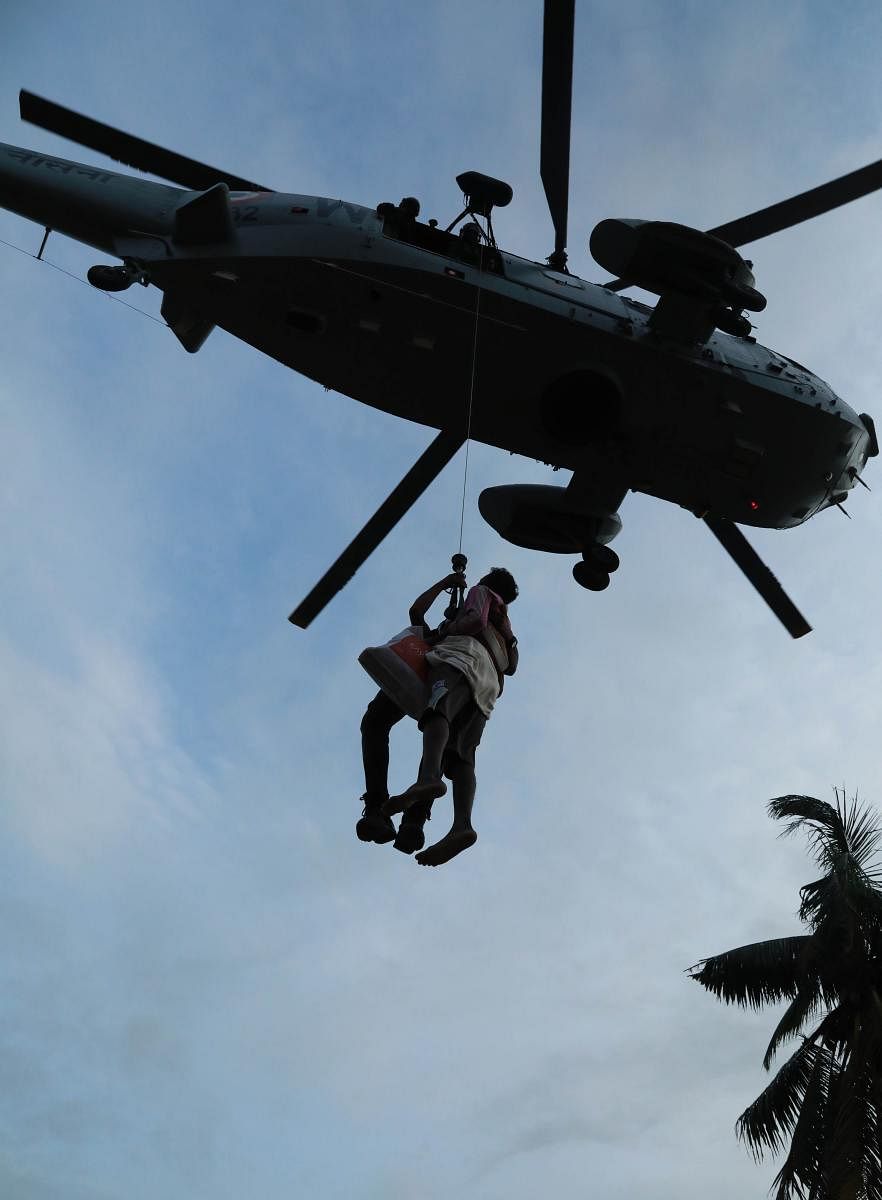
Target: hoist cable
{"type": "Point", "coordinates": [465, 474]}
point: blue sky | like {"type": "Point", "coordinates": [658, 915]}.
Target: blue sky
{"type": "Point", "coordinates": [210, 987]}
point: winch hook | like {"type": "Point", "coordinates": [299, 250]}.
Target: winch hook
{"type": "Point", "coordinates": [459, 562]}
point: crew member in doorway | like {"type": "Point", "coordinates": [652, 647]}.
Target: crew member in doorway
{"type": "Point", "coordinates": [399, 220]}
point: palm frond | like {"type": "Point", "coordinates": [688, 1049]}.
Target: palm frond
{"type": "Point", "coordinates": [844, 1152]}
{"type": "Point", "coordinates": [826, 832]}
{"type": "Point", "coordinates": [766, 1124]}
{"type": "Point", "coordinates": [861, 827]}
{"type": "Point", "coordinates": [826, 1099]}
{"type": "Point", "coordinates": [844, 912]}
{"type": "Point", "coordinates": [758, 974]}
{"type": "Point", "coordinates": [828, 906]}
{"type": "Point", "coordinates": [835, 1148]}
{"type": "Point", "coordinates": [862, 833]}
{"type": "Point", "coordinates": [846, 829]}
{"type": "Point", "coordinates": [853, 1157]}
{"type": "Point", "coordinates": [802, 1173]}
{"type": "Point", "coordinates": [834, 1031]}
{"type": "Point", "coordinates": [804, 1006]}
{"type": "Point", "coordinates": [798, 810]}
{"type": "Point", "coordinates": [873, 1140]}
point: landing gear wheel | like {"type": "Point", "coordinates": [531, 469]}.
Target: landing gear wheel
{"type": "Point", "coordinates": [591, 577]}
{"type": "Point", "coordinates": [601, 558]}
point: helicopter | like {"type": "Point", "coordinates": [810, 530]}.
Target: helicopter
{"type": "Point", "coordinates": [442, 327]}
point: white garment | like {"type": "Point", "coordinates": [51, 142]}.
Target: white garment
{"type": "Point", "coordinates": [472, 659]}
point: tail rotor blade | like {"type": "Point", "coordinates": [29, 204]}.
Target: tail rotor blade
{"type": "Point", "coordinates": [423, 472]}
{"type": "Point", "coordinates": [736, 544]}
{"type": "Point", "coordinates": [126, 149]}
{"type": "Point", "coordinates": [557, 101]}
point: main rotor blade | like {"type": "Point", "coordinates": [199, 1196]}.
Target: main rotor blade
{"type": "Point", "coordinates": [733, 540]}
{"type": "Point", "coordinates": [127, 149]}
{"type": "Point", "coordinates": [426, 468]}
{"type": "Point", "coordinates": [813, 203]}
{"type": "Point", "coordinates": [786, 213]}
{"type": "Point", "coordinates": [557, 100]}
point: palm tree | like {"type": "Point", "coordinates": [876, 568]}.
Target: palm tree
{"type": "Point", "coordinates": [827, 1097]}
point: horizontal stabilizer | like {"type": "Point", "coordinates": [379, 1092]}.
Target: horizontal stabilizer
{"type": "Point", "coordinates": [206, 218]}
{"type": "Point", "coordinates": [427, 467]}
{"type": "Point", "coordinates": [127, 149]}
{"type": "Point", "coordinates": [736, 544]}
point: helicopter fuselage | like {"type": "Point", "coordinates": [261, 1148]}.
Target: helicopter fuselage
{"type": "Point", "coordinates": [429, 327]}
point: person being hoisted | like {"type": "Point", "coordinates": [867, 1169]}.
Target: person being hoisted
{"type": "Point", "coordinates": [470, 655]}
{"type": "Point", "coordinates": [384, 712]}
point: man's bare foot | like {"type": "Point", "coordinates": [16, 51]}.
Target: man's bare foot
{"type": "Point", "coordinates": [429, 789]}
{"type": "Point", "coordinates": [454, 843]}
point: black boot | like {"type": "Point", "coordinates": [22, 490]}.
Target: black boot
{"type": "Point", "coordinates": [373, 826]}
{"type": "Point", "coordinates": [410, 832]}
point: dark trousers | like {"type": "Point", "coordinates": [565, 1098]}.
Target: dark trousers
{"type": "Point", "coordinates": [381, 714]}
{"type": "Point", "coordinates": [376, 724]}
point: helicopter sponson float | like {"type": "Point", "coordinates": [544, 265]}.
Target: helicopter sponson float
{"type": "Point", "coordinates": [442, 327]}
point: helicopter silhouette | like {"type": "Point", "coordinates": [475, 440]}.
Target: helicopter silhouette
{"type": "Point", "coordinates": [442, 327]}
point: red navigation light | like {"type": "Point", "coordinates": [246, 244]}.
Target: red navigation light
{"type": "Point", "coordinates": [754, 504]}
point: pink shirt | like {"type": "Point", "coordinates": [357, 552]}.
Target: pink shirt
{"type": "Point", "coordinates": [482, 607]}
